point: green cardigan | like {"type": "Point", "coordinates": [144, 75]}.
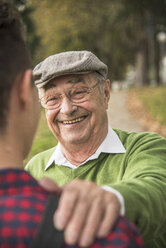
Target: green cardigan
{"type": "Point", "coordinates": [139, 175]}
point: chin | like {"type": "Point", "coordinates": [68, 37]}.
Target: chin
{"type": "Point", "coordinates": [74, 138]}
{"type": "Point", "coordinates": [76, 141]}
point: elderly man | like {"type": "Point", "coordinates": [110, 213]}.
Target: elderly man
{"type": "Point", "coordinates": [109, 172]}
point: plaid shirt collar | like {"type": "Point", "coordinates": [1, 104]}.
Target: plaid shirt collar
{"type": "Point", "coordinates": [14, 180]}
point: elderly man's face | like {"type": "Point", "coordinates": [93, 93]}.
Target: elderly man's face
{"type": "Point", "coordinates": [82, 122]}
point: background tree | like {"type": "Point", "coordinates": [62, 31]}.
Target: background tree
{"type": "Point", "coordinates": [25, 9]}
{"type": "Point", "coordinates": [119, 32]}
{"type": "Point", "coordinates": [76, 25]}
{"type": "Point", "coordinates": [146, 19]}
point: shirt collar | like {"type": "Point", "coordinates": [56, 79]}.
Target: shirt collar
{"type": "Point", "coordinates": [111, 144]}
{"type": "Point", "coordinates": [16, 178]}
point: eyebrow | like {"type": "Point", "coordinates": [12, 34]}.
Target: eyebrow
{"type": "Point", "coordinates": [72, 81]}
{"type": "Point", "coordinates": [49, 86]}
{"type": "Point", "coordinates": [76, 80]}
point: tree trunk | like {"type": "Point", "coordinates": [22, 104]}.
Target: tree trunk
{"type": "Point", "coordinates": [141, 70]}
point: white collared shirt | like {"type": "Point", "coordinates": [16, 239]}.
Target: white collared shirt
{"type": "Point", "coordinates": [111, 144]}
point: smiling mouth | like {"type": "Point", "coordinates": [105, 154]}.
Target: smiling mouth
{"type": "Point", "coordinates": [74, 121]}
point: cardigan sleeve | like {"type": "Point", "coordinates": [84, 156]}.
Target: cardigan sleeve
{"type": "Point", "coordinates": [143, 185]}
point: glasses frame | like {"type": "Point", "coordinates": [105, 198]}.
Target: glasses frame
{"type": "Point", "coordinates": [88, 91]}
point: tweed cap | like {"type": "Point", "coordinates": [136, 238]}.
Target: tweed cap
{"type": "Point", "coordinates": [72, 62]}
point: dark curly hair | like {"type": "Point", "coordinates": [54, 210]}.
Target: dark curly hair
{"type": "Point", "coordinates": [14, 56]}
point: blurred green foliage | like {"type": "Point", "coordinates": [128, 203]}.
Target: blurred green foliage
{"type": "Point", "coordinates": [26, 9]}
{"type": "Point", "coordinates": [154, 102]}
{"type": "Point", "coordinates": [115, 30]}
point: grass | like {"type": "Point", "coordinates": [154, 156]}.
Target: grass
{"type": "Point", "coordinates": [44, 139]}
{"type": "Point", "coordinates": [154, 102]}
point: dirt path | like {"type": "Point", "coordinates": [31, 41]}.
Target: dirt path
{"type": "Point", "coordinates": [118, 114]}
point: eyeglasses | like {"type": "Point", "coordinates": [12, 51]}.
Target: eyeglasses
{"type": "Point", "coordinates": [75, 95]}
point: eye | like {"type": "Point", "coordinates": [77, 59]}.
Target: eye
{"type": "Point", "coordinates": [78, 93]}
{"type": "Point", "coordinates": [51, 99]}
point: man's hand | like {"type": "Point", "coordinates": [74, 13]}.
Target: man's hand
{"type": "Point", "coordinates": [85, 211]}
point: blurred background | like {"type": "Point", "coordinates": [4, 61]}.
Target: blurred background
{"type": "Point", "coordinates": [128, 35]}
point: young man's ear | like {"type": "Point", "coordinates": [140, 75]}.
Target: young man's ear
{"type": "Point", "coordinates": [25, 89]}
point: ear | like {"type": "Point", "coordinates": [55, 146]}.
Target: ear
{"type": "Point", "coordinates": [107, 90]}
{"type": "Point", "coordinates": [25, 89]}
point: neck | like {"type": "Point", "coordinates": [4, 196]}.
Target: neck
{"type": "Point", "coordinates": [10, 155]}
{"type": "Point", "coordinates": [76, 154]}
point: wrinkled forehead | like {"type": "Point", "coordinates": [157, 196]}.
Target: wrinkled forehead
{"type": "Point", "coordinates": [67, 80]}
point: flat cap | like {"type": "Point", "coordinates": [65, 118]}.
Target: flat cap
{"type": "Point", "coordinates": [72, 62]}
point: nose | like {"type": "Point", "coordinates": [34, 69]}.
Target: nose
{"type": "Point", "coordinates": [67, 107]}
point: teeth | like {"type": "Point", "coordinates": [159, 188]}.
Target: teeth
{"type": "Point", "coordinates": [73, 121]}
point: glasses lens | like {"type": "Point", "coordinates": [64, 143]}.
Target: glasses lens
{"type": "Point", "coordinates": [50, 102]}
{"type": "Point", "coordinates": [78, 94]}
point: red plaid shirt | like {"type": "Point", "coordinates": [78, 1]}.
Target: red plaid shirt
{"type": "Point", "coordinates": [22, 202]}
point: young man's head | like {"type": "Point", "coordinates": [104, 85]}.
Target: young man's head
{"type": "Point", "coordinates": [14, 57]}
{"type": "Point", "coordinates": [18, 97]}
